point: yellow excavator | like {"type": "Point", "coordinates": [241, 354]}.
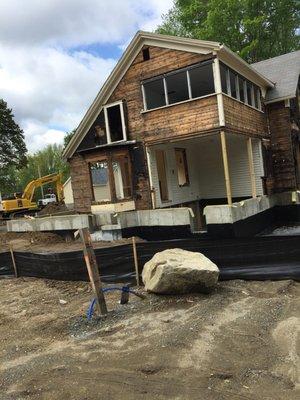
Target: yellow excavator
{"type": "Point", "coordinates": [22, 203]}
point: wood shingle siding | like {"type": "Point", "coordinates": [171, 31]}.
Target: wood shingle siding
{"type": "Point", "coordinates": [281, 147]}
{"type": "Point", "coordinates": [187, 118]}
{"type": "Point", "coordinates": [244, 119]}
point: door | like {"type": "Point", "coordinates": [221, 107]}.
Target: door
{"type": "Point", "coordinates": [162, 174]}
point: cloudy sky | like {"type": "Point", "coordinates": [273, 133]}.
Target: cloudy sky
{"type": "Point", "coordinates": [56, 54]}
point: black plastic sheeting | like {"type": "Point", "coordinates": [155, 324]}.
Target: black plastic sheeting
{"type": "Point", "coordinates": [260, 258]}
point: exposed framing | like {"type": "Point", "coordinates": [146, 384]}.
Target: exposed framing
{"type": "Point", "coordinates": [109, 157]}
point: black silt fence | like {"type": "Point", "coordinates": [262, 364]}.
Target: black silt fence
{"type": "Point", "coordinates": [256, 258]}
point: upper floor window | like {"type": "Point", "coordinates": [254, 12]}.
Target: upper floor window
{"type": "Point", "coordinates": [115, 122]}
{"type": "Point", "coordinates": [239, 87]}
{"type": "Point", "coordinates": [187, 83]}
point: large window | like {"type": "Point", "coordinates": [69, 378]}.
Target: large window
{"type": "Point", "coordinates": [202, 80]}
{"type": "Point", "coordinates": [239, 87]}
{"type": "Point", "coordinates": [188, 83]}
{"type": "Point", "coordinates": [100, 181]}
{"type": "Point", "coordinates": [115, 122]}
{"type": "Point", "coordinates": [154, 94]}
{"type": "Point", "coordinates": [111, 178]}
{"type": "Point", "coordinates": [177, 87]}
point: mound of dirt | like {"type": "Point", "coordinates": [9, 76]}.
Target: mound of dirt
{"type": "Point", "coordinates": [29, 238]}
{"type": "Point", "coordinates": [53, 208]}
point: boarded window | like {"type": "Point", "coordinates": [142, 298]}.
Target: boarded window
{"type": "Point", "coordinates": [223, 72]}
{"type": "Point", "coordinates": [162, 174]}
{"type": "Point", "coordinates": [202, 80]}
{"type": "Point", "coordinates": [100, 181]}
{"type": "Point", "coordinates": [232, 79]}
{"type": "Point", "coordinates": [182, 167]}
{"type": "Point", "coordinates": [177, 87]}
{"type": "Point", "coordinates": [154, 94]}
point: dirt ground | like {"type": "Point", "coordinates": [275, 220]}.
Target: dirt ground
{"type": "Point", "coordinates": [240, 342]}
{"type": "Point", "coordinates": [47, 242]}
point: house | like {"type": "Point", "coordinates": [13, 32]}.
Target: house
{"type": "Point", "coordinates": [185, 122]}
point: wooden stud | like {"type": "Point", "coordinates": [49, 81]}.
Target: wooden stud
{"type": "Point", "coordinates": [13, 261]}
{"type": "Point", "coordinates": [226, 168]}
{"type": "Point", "coordinates": [92, 267]}
{"type": "Point", "coordinates": [136, 265]}
{"type": "Point", "coordinates": [251, 167]}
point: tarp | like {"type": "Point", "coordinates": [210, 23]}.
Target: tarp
{"type": "Point", "coordinates": [259, 258]}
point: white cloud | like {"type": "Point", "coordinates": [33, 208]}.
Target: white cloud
{"type": "Point", "coordinates": [48, 83]}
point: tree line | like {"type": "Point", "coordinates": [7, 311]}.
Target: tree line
{"type": "Point", "coordinates": [17, 167]}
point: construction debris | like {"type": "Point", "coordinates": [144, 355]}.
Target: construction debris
{"type": "Point", "coordinates": [179, 271]}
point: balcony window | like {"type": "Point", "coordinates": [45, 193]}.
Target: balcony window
{"type": "Point", "coordinates": [177, 87]}
{"type": "Point", "coordinates": [232, 78]}
{"type": "Point", "coordinates": [154, 94]}
{"type": "Point", "coordinates": [202, 80]}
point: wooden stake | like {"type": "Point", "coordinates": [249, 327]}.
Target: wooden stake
{"type": "Point", "coordinates": [136, 265]}
{"type": "Point", "coordinates": [251, 167]}
{"type": "Point", "coordinates": [13, 261]}
{"type": "Point", "coordinates": [226, 168]}
{"type": "Point", "coordinates": [92, 267]}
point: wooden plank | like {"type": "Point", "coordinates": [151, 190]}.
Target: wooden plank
{"type": "Point", "coordinates": [136, 265]}
{"type": "Point", "coordinates": [92, 267]}
{"type": "Point", "coordinates": [13, 261]}
{"type": "Point", "coordinates": [226, 168]}
{"type": "Point", "coordinates": [251, 167]}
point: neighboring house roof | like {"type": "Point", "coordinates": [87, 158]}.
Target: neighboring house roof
{"type": "Point", "coordinates": [284, 71]}
{"type": "Point", "coordinates": [170, 42]}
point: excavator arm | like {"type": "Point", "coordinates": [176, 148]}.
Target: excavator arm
{"type": "Point", "coordinates": [36, 183]}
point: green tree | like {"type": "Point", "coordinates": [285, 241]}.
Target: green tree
{"type": "Point", "coordinates": [68, 137]}
{"type": "Point", "coordinates": [255, 29]}
{"type": "Point", "coordinates": [44, 162]}
{"type": "Point", "coordinates": [12, 148]}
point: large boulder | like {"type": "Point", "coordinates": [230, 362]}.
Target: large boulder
{"type": "Point", "coordinates": [175, 271]}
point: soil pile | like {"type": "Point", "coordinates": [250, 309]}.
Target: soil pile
{"type": "Point", "coordinates": [53, 208]}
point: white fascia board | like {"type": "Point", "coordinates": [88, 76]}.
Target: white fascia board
{"type": "Point", "coordinates": [239, 65]}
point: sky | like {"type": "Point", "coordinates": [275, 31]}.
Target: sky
{"type": "Point", "coordinates": [56, 54]}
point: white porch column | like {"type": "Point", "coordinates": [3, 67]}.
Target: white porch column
{"type": "Point", "coordinates": [226, 168]}
{"type": "Point", "coordinates": [251, 167]}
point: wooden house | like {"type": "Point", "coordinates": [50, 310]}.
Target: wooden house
{"type": "Point", "coordinates": [187, 122]}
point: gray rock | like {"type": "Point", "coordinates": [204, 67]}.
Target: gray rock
{"type": "Point", "coordinates": [175, 271]}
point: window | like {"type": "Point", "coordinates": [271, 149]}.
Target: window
{"type": "Point", "coordinates": [232, 78]}
{"type": "Point", "coordinates": [182, 167]}
{"type": "Point", "coordinates": [121, 172]}
{"type": "Point", "coordinates": [241, 88]}
{"type": "Point", "coordinates": [154, 94]}
{"type": "Point", "coordinates": [115, 122]}
{"type": "Point", "coordinates": [100, 182]}
{"type": "Point", "coordinates": [111, 177]}
{"type": "Point", "coordinates": [202, 80]}
{"type": "Point", "coordinates": [191, 82]}
{"type": "Point", "coordinates": [177, 87]}
{"type": "Point", "coordinates": [249, 93]}
{"type": "Point", "coordinates": [223, 73]}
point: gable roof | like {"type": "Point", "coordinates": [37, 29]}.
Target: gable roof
{"type": "Point", "coordinates": [165, 41]}
{"type": "Point", "coordinates": [284, 71]}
